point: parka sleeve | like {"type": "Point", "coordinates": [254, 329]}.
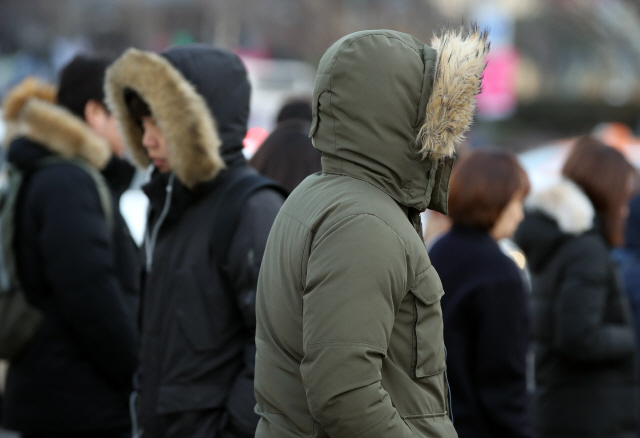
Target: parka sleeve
{"type": "Point", "coordinates": [77, 255]}
{"type": "Point", "coordinates": [580, 333]}
{"type": "Point", "coordinates": [356, 279]}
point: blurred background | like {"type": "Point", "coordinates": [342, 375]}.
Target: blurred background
{"type": "Point", "coordinates": [557, 68]}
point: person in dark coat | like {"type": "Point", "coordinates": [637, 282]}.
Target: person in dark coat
{"type": "Point", "coordinates": [484, 307]}
{"type": "Point", "coordinates": [81, 91]}
{"type": "Point", "coordinates": [287, 154]}
{"type": "Point", "coordinates": [584, 340]}
{"type": "Point", "coordinates": [185, 111]}
{"type": "Point", "coordinates": [75, 376]}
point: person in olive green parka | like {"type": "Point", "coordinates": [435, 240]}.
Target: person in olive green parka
{"type": "Point", "coordinates": [349, 326]}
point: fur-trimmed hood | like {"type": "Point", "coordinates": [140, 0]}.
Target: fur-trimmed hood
{"type": "Point", "coordinates": [553, 214]}
{"type": "Point", "coordinates": [198, 95]}
{"type": "Point", "coordinates": [391, 110]}
{"type": "Point", "coordinates": [30, 111]}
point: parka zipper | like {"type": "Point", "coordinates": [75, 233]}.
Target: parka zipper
{"type": "Point", "coordinates": [150, 239]}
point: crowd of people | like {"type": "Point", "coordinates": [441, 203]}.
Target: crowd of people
{"type": "Point", "coordinates": [292, 294]}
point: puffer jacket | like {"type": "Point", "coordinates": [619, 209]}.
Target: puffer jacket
{"type": "Point", "coordinates": [349, 325]}
{"type": "Point", "coordinates": [76, 374]}
{"type": "Point", "coordinates": [197, 311]}
{"type": "Point", "coordinates": [582, 330]}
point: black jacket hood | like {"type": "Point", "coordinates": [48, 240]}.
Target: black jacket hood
{"type": "Point", "coordinates": [199, 96]}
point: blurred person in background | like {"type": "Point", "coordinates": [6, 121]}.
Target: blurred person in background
{"type": "Point", "coordinates": [484, 307]}
{"type": "Point", "coordinates": [185, 112]}
{"type": "Point", "coordinates": [287, 154]}
{"type": "Point", "coordinates": [628, 259]}
{"type": "Point", "coordinates": [81, 91]}
{"type": "Point", "coordinates": [584, 343]}
{"type": "Point", "coordinates": [75, 376]}
{"type": "Point", "coordinates": [349, 325]}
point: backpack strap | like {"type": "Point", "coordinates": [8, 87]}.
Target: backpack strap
{"type": "Point", "coordinates": [101, 185]}
{"type": "Point", "coordinates": [226, 216]}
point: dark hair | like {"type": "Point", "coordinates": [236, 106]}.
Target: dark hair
{"type": "Point", "coordinates": [295, 108]}
{"type": "Point", "coordinates": [80, 81]}
{"type": "Point", "coordinates": [138, 108]}
{"type": "Point", "coordinates": [287, 154]}
{"type": "Point", "coordinates": [482, 184]}
{"type": "Point", "coordinates": [605, 176]}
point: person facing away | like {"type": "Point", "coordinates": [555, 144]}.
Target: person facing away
{"type": "Point", "coordinates": [583, 334]}
{"type": "Point", "coordinates": [349, 326]}
{"type": "Point", "coordinates": [484, 309]}
{"type": "Point", "coordinates": [185, 111]}
{"type": "Point", "coordinates": [75, 376]}
{"type": "Point", "coordinates": [287, 155]}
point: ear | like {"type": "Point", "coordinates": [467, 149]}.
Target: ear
{"type": "Point", "coordinates": [95, 114]}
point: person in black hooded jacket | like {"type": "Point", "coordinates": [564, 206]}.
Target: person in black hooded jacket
{"type": "Point", "coordinates": [74, 377]}
{"type": "Point", "coordinates": [185, 111]}
{"type": "Point", "coordinates": [583, 335]}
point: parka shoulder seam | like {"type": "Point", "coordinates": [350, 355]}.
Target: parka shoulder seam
{"type": "Point", "coordinates": [297, 219]}
{"type": "Point", "coordinates": [328, 233]}
{"type": "Point", "coordinates": [381, 348]}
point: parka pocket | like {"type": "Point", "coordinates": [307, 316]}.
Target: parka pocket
{"type": "Point", "coordinates": [429, 353]}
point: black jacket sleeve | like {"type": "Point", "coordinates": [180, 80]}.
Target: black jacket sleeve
{"type": "Point", "coordinates": [578, 313]}
{"type": "Point", "coordinates": [76, 252]}
{"type": "Point", "coordinates": [244, 259]}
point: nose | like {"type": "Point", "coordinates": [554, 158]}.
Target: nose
{"type": "Point", "coordinates": [148, 139]}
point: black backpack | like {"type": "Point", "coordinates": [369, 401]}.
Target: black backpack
{"type": "Point", "coordinates": [18, 319]}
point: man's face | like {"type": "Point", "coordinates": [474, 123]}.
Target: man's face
{"type": "Point", "coordinates": [104, 124]}
{"type": "Point", "coordinates": [156, 145]}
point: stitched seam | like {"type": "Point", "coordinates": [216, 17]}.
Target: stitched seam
{"type": "Point", "coordinates": [297, 219]}
{"type": "Point", "coordinates": [322, 237]}
{"type": "Point", "coordinates": [345, 344]}
{"type": "Point", "coordinates": [438, 414]}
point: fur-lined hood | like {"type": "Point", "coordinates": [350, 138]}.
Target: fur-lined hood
{"type": "Point", "coordinates": [29, 111]}
{"type": "Point", "coordinates": [391, 110]}
{"type": "Point", "coordinates": [553, 214]}
{"type": "Point", "coordinates": [199, 97]}
{"type": "Point", "coordinates": [566, 204]}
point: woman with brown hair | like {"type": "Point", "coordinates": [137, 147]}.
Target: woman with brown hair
{"type": "Point", "coordinates": [484, 307]}
{"type": "Point", "coordinates": [583, 335]}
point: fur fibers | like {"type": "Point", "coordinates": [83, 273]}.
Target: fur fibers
{"type": "Point", "coordinates": [32, 114]}
{"type": "Point", "coordinates": [457, 80]}
{"type": "Point", "coordinates": [565, 203]}
{"type": "Point", "coordinates": [182, 114]}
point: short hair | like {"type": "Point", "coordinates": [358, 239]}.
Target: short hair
{"type": "Point", "coordinates": [137, 106]}
{"type": "Point", "coordinates": [80, 81]}
{"type": "Point", "coordinates": [482, 183]}
{"type": "Point", "coordinates": [606, 177]}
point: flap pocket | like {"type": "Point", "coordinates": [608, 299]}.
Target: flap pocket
{"type": "Point", "coordinates": [429, 351]}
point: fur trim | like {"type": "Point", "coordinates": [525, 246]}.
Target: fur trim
{"type": "Point", "coordinates": [16, 99]}
{"type": "Point", "coordinates": [183, 115]}
{"type": "Point", "coordinates": [62, 133]}
{"type": "Point", "coordinates": [567, 204]}
{"type": "Point", "coordinates": [457, 80]}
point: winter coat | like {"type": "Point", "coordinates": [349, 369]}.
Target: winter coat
{"type": "Point", "coordinates": [583, 335]}
{"type": "Point", "coordinates": [628, 259]}
{"type": "Point", "coordinates": [349, 326]}
{"type": "Point", "coordinates": [486, 333]}
{"type": "Point", "coordinates": [287, 155]}
{"type": "Point", "coordinates": [197, 312]}
{"type": "Point", "coordinates": [76, 374]}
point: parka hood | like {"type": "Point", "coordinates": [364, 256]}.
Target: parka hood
{"type": "Point", "coordinates": [30, 112]}
{"type": "Point", "coordinates": [390, 110]}
{"type": "Point", "coordinates": [553, 214]}
{"type": "Point", "coordinates": [199, 96]}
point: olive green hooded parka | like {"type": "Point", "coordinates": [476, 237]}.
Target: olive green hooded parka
{"type": "Point", "coordinates": [349, 326]}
